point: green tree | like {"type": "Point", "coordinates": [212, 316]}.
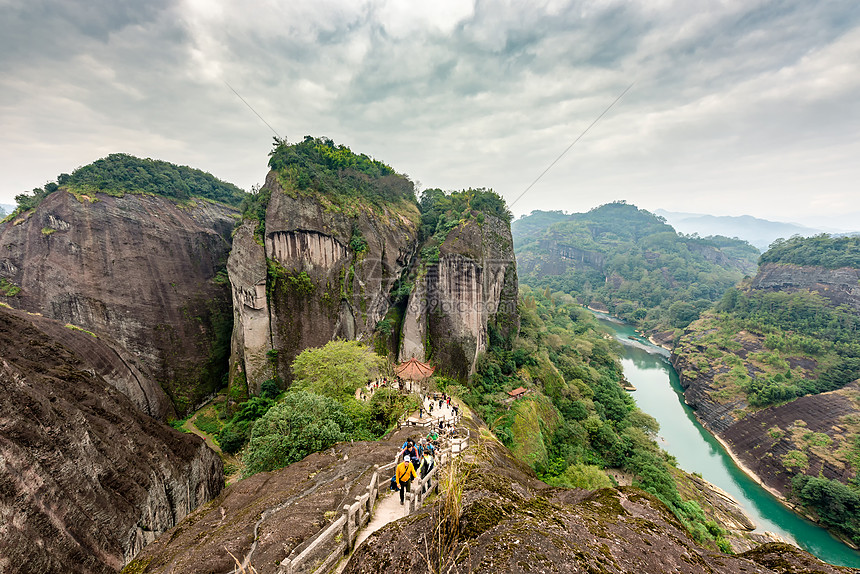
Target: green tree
{"type": "Point", "coordinates": [303, 423]}
{"type": "Point", "coordinates": [336, 369]}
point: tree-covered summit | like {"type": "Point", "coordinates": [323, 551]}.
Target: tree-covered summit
{"type": "Point", "coordinates": [121, 173]}
{"type": "Point", "coordinates": [319, 164]}
{"type": "Point", "coordinates": [629, 262]}
{"type": "Point", "coordinates": [821, 250]}
{"type": "Point", "coordinates": [441, 211]}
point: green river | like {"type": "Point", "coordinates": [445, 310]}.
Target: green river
{"type": "Point", "coordinates": [658, 393]}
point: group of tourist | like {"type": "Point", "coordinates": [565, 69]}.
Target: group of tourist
{"type": "Point", "coordinates": [417, 460]}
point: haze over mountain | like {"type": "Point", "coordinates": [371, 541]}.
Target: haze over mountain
{"type": "Point", "coordinates": [736, 107]}
{"type": "Point", "coordinates": [759, 232]}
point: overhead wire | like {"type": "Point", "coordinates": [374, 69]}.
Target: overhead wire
{"type": "Point", "coordinates": [567, 149]}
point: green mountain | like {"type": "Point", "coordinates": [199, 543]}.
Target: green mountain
{"type": "Point", "coordinates": [629, 262]}
{"type": "Point", "coordinates": [119, 174]}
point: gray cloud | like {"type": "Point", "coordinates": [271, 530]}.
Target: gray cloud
{"type": "Point", "coordinates": [738, 107]}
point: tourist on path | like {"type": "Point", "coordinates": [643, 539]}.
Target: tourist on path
{"type": "Point", "coordinates": [409, 449]}
{"type": "Point", "coordinates": [404, 473]}
{"type": "Point", "coordinates": [425, 468]}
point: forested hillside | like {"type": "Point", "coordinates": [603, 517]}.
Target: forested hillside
{"type": "Point", "coordinates": [630, 263]}
{"type": "Point", "coordinates": [575, 420]}
{"type": "Point", "coordinates": [771, 367]}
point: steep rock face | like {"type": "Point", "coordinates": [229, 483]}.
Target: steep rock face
{"type": "Point", "coordinates": [815, 425]}
{"type": "Point", "coordinates": [252, 337]}
{"type": "Point", "coordinates": [86, 478]}
{"type": "Point", "coordinates": [331, 271]}
{"type": "Point", "coordinates": [108, 360]}
{"type": "Point", "coordinates": [840, 286]}
{"type": "Point", "coordinates": [559, 258]}
{"type": "Point", "coordinates": [715, 414]}
{"type": "Point", "coordinates": [137, 268]}
{"type": "Point", "coordinates": [472, 289]}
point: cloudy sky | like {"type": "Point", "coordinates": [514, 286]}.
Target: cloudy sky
{"type": "Point", "coordinates": [737, 107]}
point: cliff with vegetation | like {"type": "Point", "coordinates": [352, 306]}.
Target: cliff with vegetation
{"type": "Point", "coordinates": [324, 241]}
{"type": "Point", "coordinates": [772, 370]}
{"type": "Point", "coordinates": [464, 282]}
{"type": "Point", "coordinates": [335, 245]}
{"type": "Point", "coordinates": [137, 262]}
{"type": "Point", "coordinates": [630, 263]}
{"type": "Point", "coordinates": [87, 479]}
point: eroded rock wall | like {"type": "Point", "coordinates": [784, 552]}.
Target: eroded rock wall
{"type": "Point", "coordinates": [86, 479]}
{"type": "Point", "coordinates": [107, 359]}
{"type": "Point", "coordinates": [840, 286]}
{"type": "Point", "coordinates": [330, 273]}
{"type": "Point", "coordinates": [470, 290]}
{"type": "Point", "coordinates": [252, 336]}
{"type": "Point", "coordinates": [138, 269]}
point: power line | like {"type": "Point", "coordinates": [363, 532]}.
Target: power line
{"type": "Point", "coordinates": [253, 110]}
{"type": "Point", "coordinates": [585, 131]}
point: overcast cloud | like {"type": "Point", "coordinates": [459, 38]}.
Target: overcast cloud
{"type": "Point", "coordinates": [738, 107]}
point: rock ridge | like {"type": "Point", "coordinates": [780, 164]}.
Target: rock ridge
{"type": "Point", "coordinates": [86, 478]}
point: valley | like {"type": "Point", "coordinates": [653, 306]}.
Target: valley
{"type": "Point", "coordinates": [659, 393]}
{"type": "Point", "coordinates": [166, 288]}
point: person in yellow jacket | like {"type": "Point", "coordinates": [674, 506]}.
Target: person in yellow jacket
{"type": "Point", "coordinates": [404, 473]}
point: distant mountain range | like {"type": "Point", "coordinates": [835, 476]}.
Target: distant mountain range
{"type": "Point", "coordinates": [6, 208]}
{"type": "Point", "coordinates": [759, 232]}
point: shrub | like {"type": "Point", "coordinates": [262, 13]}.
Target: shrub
{"type": "Point", "coordinates": [303, 423]}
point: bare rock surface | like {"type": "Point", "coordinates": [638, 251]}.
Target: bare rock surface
{"type": "Point", "coordinates": [252, 335]}
{"type": "Point", "coordinates": [471, 289]}
{"type": "Point", "coordinates": [86, 479]}
{"type": "Point", "coordinates": [814, 424]}
{"type": "Point", "coordinates": [107, 359]}
{"type": "Point", "coordinates": [137, 268]}
{"type": "Point", "coordinates": [264, 517]}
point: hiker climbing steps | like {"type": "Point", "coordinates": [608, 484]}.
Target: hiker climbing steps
{"type": "Point", "coordinates": [323, 551]}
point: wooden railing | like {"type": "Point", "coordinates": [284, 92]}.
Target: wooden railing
{"type": "Point", "coordinates": [322, 552]}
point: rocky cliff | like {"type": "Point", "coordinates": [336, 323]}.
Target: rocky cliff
{"type": "Point", "coordinates": [471, 290]}
{"type": "Point", "coordinates": [839, 286]}
{"type": "Point", "coordinates": [86, 478]}
{"type": "Point", "coordinates": [329, 271]}
{"type": "Point", "coordinates": [107, 359]}
{"type": "Point", "coordinates": [338, 254]}
{"type": "Point", "coordinates": [139, 269]}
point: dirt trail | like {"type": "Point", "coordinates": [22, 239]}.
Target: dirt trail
{"type": "Point", "coordinates": [190, 427]}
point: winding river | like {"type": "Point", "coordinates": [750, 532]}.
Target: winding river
{"type": "Point", "coordinates": [658, 393]}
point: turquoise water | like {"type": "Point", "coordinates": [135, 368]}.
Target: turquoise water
{"type": "Point", "coordinates": [658, 393]}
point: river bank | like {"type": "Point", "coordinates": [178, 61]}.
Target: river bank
{"type": "Point", "coordinates": [699, 452]}
{"type": "Point", "coordinates": [775, 493]}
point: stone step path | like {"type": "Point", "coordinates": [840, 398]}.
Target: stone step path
{"type": "Point", "coordinates": [388, 508]}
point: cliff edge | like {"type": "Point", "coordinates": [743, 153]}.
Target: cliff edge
{"type": "Point", "coordinates": [87, 479]}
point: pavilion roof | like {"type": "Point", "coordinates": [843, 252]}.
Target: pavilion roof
{"type": "Point", "coordinates": [414, 370]}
